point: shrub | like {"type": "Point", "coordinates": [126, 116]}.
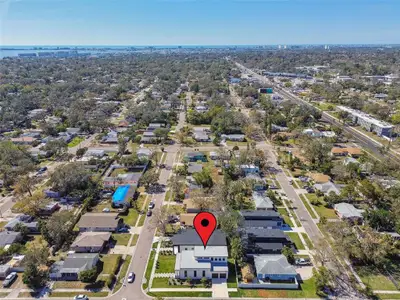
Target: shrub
{"type": "Point", "coordinates": [88, 276]}
{"type": "Point", "coordinates": [110, 280]}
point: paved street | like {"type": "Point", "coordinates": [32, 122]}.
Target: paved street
{"type": "Point", "coordinates": [361, 139]}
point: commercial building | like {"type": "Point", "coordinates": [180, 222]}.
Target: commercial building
{"type": "Point", "coordinates": [368, 122]}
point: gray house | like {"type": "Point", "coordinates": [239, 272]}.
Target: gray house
{"type": "Point", "coordinates": [100, 222]}
{"type": "Point", "coordinates": [93, 242]}
{"type": "Point", "coordinates": [274, 268]}
{"type": "Point", "coordinates": [8, 238]}
{"type": "Point", "coordinates": [328, 187]}
{"type": "Point", "coordinates": [262, 201]}
{"type": "Point", "coordinates": [74, 264]}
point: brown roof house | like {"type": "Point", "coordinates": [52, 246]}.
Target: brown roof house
{"type": "Point", "coordinates": [91, 242]}
{"type": "Point", "coordinates": [319, 177]}
{"type": "Point", "coordinates": [99, 222]}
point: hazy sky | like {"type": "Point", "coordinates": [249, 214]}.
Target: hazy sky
{"type": "Point", "coordinates": [198, 22]}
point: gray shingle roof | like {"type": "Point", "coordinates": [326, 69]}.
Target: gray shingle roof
{"type": "Point", "coordinates": [96, 220]}
{"type": "Point", "coordinates": [274, 265]}
{"type": "Point", "coordinates": [78, 262]}
{"type": "Point", "coordinates": [262, 201]}
{"type": "Point", "coordinates": [8, 238]}
{"type": "Point", "coordinates": [91, 239]}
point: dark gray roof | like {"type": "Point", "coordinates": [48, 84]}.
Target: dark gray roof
{"type": "Point", "coordinates": [267, 246]}
{"type": "Point", "coordinates": [259, 214]}
{"type": "Point", "coordinates": [78, 262]}
{"type": "Point", "coordinates": [266, 233]}
{"type": "Point", "coordinates": [190, 237]}
{"type": "Point", "coordinates": [261, 223]}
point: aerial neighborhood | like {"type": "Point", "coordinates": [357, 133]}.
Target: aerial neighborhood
{"type": "Point", "coordinates": [105, 162]}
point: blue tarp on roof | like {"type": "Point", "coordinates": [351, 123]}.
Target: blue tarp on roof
{"type": "Point", "coordinates": [119, 196]}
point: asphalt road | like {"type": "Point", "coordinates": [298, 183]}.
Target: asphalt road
{"type": "Point", "coordinates": [361, 139]}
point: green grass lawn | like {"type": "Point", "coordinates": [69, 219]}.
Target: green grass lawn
{"type": "Point", "coordinates": [134, 240]}
{"type": "Point", "coordinates": [302, 197]}
{"type": "Point", "coordinates": [118, 171]}
{"type": "Point", "coordinates": [3, 223]}
{"type": "Point", "coordinates": [73, 294]}
{"type": "Point", "coordinates": [307, 240]}
{"type": "Point", "coordinates": [3, 295]}
{"type": "Point", "coordinates": [325, 106]}
{"type": "Point", "coordinates": [75, 141]}
{"type": "Point", "coordinates": [148, 268]}
{"type": "Point", "coordinates": [166, 264]}
{"type": "Point", "coordinates": [182, 294]}
{"type": "Point", "coordinates": [168, 196]}
{"type": "Point", "coordinates": [131, 217]}
{"type": "Point", "coordinates": [372, 276]}
{"type": "Point", "coordinates": [388, 296]}
{"type": "Point", "coordinates": [321, 210]}
{"type": "Point", "coordinates": [122, 273]}
{"type": "Point", "coordinates": [293, 213]}
{"type": "Point", "coordinates": [232, 143]}
{"type": "Point", "coordinates": [109, 262]}
{"type": "Point", "coordinates": [307, 290]}
{"type": "Point", "coordinates": [294, 236]}
{"type": "Point", "coordinates": [163, 283]}
{"type": "Point", "coordinates": [285, 215]}
{"type": "Point", "coordinates": [232, 283]}
{"type": "Point", "coordinates": [121, 238]}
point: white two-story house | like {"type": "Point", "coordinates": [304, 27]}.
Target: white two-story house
{"type": "Point", "coordinates": [195, 261]}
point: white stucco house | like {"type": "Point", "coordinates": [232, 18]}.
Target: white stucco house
{"type": "Point", "coordinates": [195, 261]}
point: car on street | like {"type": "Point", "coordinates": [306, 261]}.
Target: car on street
{"type": "Point", "coordinates": [106, 210]}
{"type": "Point", "coordinates": [149, 213]}
{"type": "Point", "coordinates": [131, 277]}
{"type": "Point", "coordinates": [81, 297]}
{"type": "Point", "coordinates": [9, 279]}
{"type": "Point", "coordinates": [151, 205]}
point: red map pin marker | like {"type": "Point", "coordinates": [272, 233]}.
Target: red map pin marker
{"type": "Point", "coordinates": [205, 224]}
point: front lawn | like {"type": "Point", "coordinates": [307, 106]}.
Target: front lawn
{"type": "Point", "coordinates": [122, 239]}
{"type": "Point", "coordinates": [182, 294]}
{"type": "Point", "coordinates": [109, 263]}
{"type": "Point", "coordinates": [166, 264]}
{"type": "Point", "coordinates": [294, 236]}
{"type": "Point", "coordinates": [164, 283]}
{"type": "Point", "coordinates": [134, 240]}
{"type": "Point", "coordinates": [373, 276]}
{"type": "Point", "coordinates": [321, 210]}
{"type": "Point", "coordinates": [307, 290]}
{"type": "Point", "coordinates": [122, 273]}
{"type": "Point", "coordinates": [73, 294]}
{"type": "Point", "coordinates": [148, 268]}
{"type": "Point", "coordinates": [307, 240]}
{"type": "Point", "coordinates": [75, 141]}
{"type": "Point", "coordinates": [285, 215]}
{"type": "Point", "coordinates": [131, 218]}
{"type": "Point", "coordinates": [308, 207]}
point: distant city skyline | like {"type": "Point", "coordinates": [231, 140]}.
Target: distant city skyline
{"type": "Point", "coordinates": [198, 22]}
